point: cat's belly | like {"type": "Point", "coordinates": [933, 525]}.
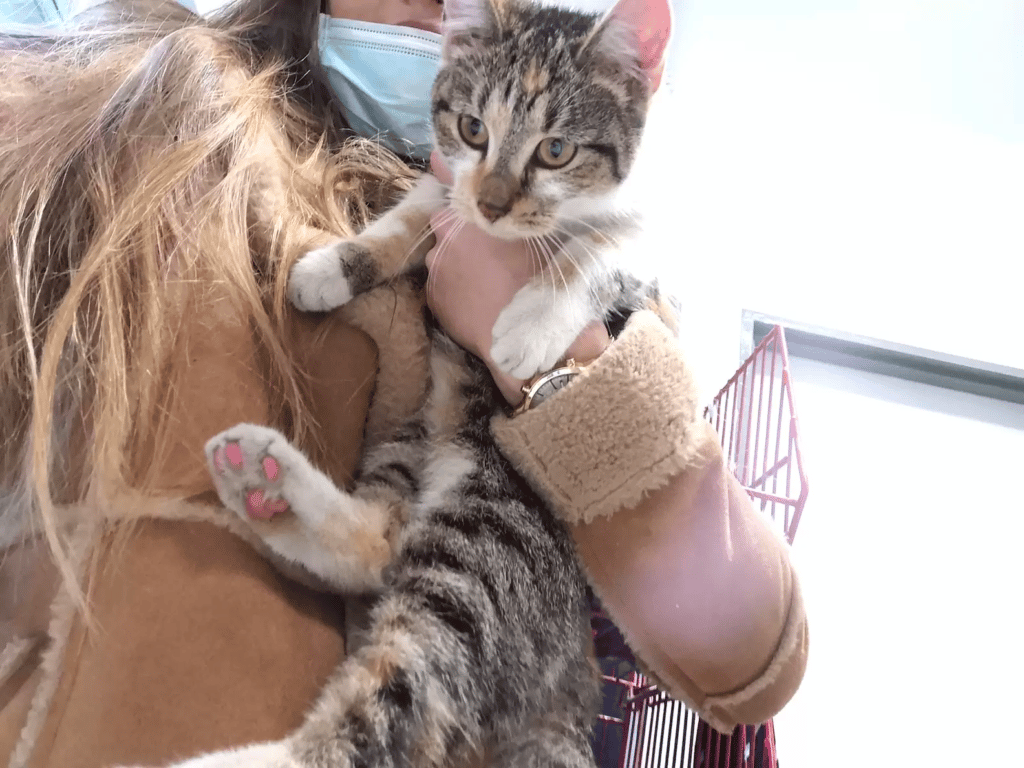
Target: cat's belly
{"type": "Point", "coordinates": [447, 467]}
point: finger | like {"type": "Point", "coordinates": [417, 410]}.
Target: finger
{"type": "Point", "coordinates": [441, 223]}
{"type": "Point", "coordinates": [439, 169]}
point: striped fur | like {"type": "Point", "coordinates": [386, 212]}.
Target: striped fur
{"type": "Point", "coordinates": [479, 641]}
{"type": "Point", "coordinates": [479, 645]}
{"type": "Point", "coordinates": [481, 638]}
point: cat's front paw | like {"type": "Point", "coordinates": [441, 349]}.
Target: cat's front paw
{"type": "Point", "coordinates": [533, 332]}
{"type": "Point", "coordinates": [329, 277]}
{"type": "Point", "coordinates": [258, 474]}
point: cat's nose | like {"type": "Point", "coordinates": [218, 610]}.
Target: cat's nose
{"type": "Point", "coordinates": [497, 192]}
{"type": "Point", "coordinates": [491, 211]}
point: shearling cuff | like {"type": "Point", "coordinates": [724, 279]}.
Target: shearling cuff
{"type": "Point", "coordinates": [617, 433]}
{"type": "Point", "coordinates": [704, 591]}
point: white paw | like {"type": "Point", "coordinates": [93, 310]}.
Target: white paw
{"type": "Point", "coordinates": [318, 282]}
{"type": "Point", "coordinates": [274, 754]}
{"type": "Point", "coordinates": [533, 332]}
{"type": "Point", "coordinates": [258, 474]}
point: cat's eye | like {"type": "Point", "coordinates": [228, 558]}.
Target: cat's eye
{"type": "Point", "coordinates": [473, 131]}
{"type": "Point", "coordinates": [555, 153]}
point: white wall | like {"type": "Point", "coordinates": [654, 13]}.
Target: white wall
{"type": "Point", "coordinates": [860, 166]}
{"type": "Point", "coordinates": [909, 553]}
{"type": "Point", "coordinates": [857, 165]}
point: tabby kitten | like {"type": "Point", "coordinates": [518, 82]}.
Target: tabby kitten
{"type": "Point", "coordinates": [538, 113]}
{"type": "Point", "coordinates": [479, 643]}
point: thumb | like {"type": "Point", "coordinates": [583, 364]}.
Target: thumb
{"type": "Point", "coordinates": [441, 222]}
{"type": "Point", "coordinates": [439, 169]}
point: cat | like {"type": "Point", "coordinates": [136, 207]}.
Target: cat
{"type": "Point", "coordinates": [565, 99]}
{"type": "Point", "coordinates": [480, 641]}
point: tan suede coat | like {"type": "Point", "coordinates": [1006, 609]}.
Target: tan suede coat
{"type": "Point", "coordinates": [197, 642]}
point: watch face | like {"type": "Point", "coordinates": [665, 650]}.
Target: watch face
{"type": "Point", "coordinates": [552, 385]}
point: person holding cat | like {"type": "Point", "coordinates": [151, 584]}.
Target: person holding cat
{"type": "Point", "coordinates": [165, 120]}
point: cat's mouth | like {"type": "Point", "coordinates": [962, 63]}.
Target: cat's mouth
{"type": "Point", "coordinates": [510, 226]}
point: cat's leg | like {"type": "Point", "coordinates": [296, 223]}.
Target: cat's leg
{"type": "Point", "coordinates": [411, 697]}
{"type": "Point", "coordinates": [330, 276]}
{"type": "Point", "coordinates": [560, 731]}
{"type": "Point", "coordinates": [551, 742]}
{"type": "Point", "coordinates": [422, 693]}
{"type": "Point", "coordinates": [482, 626]}
{"type": "Point", "coordinates": [533, 331]}
{"type": "Point", "coordinates": [297, 510]}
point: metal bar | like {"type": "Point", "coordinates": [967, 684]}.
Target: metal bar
{"type": "Point", "coordinates": [641, 724]}
{"type": "Point", "coordinates": [798, 507]}
{"type": "Point", "coordinates": [778, 429]}
{"type": "Point", "coordinates": [758, 358]}
{"type": "Point", "coordinates": [736, 404]}
{"type": "Point", "coordinates": [771, 395]}
{"type": "Point", "coordinates": [674, 725]}
{"type": "Point", "coordinates": [662, 744]}
{"type": "Point", "coordinates": [670, 733]}
{"type": "Point", "coordinates": [691, 738]}
{"type": "Point", "coordinates": [724, 434]}
{"type": "Point", "coordinates": [656, 733]}
{"type": "Point", "coordinates": [740, 427]}
{"type": "Point", "coordinates": [628, 756]}
{"type": "Point", "coordinates": [647, 692]}
{"type": "Point", "coordinates": [770, 753]}
{"type": "Point", "coordinates": [771, 471]}
{"type": "Point", "coordinates": [750, 390]}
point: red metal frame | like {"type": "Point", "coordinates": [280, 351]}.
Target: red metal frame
{"type": "Point", "coordinates": [757, 424]}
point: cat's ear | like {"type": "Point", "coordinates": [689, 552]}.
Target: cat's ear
{"type": "Point", "coordinates": [468, 24]}
{"type": "Point", "coordinates": [635, 34]}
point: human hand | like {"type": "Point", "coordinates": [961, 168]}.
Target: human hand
{"type": "Point", "coordinates": [473, 276]}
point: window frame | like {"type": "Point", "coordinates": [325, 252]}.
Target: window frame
{"type": "Point", "coordinates": [863, 353]}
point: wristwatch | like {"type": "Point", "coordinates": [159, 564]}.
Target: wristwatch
{"type": "Point", "coordinates": [542, 386]}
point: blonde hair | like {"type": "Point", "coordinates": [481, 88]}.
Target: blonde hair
{"type": "Point", "coordinates": [159, 162]}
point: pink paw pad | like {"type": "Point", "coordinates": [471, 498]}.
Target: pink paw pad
{"type": "Point", "coordinates": [271, 468]}
{"type": "Point", "coordinates": [261, 508]}
{"type": "Point", "coordinates": [233, 452]}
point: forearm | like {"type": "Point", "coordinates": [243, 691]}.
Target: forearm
{"type": "Point", "coordinates": [696, 578]}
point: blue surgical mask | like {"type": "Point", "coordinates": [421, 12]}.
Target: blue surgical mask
{"type": "Point", "coordinates": [382, 76]}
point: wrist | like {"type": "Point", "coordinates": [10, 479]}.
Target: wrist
{"type": "Point", "coordinates": [587, 347]}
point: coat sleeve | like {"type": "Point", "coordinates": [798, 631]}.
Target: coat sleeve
{"type": "Point", "coordinates": [699, 582]}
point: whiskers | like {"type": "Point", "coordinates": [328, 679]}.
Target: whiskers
{"type": "Point", "coordinates": [567, 260]}
{"type": "Point", "coordinates": [448, 216]}
{"type": "Point", "coordinates": [570, 263]}
{"type": "Point", "coordinates": [424, 234]}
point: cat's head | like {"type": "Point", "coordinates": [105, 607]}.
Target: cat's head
{"type": "Point", "coordinates": [538, 111]}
